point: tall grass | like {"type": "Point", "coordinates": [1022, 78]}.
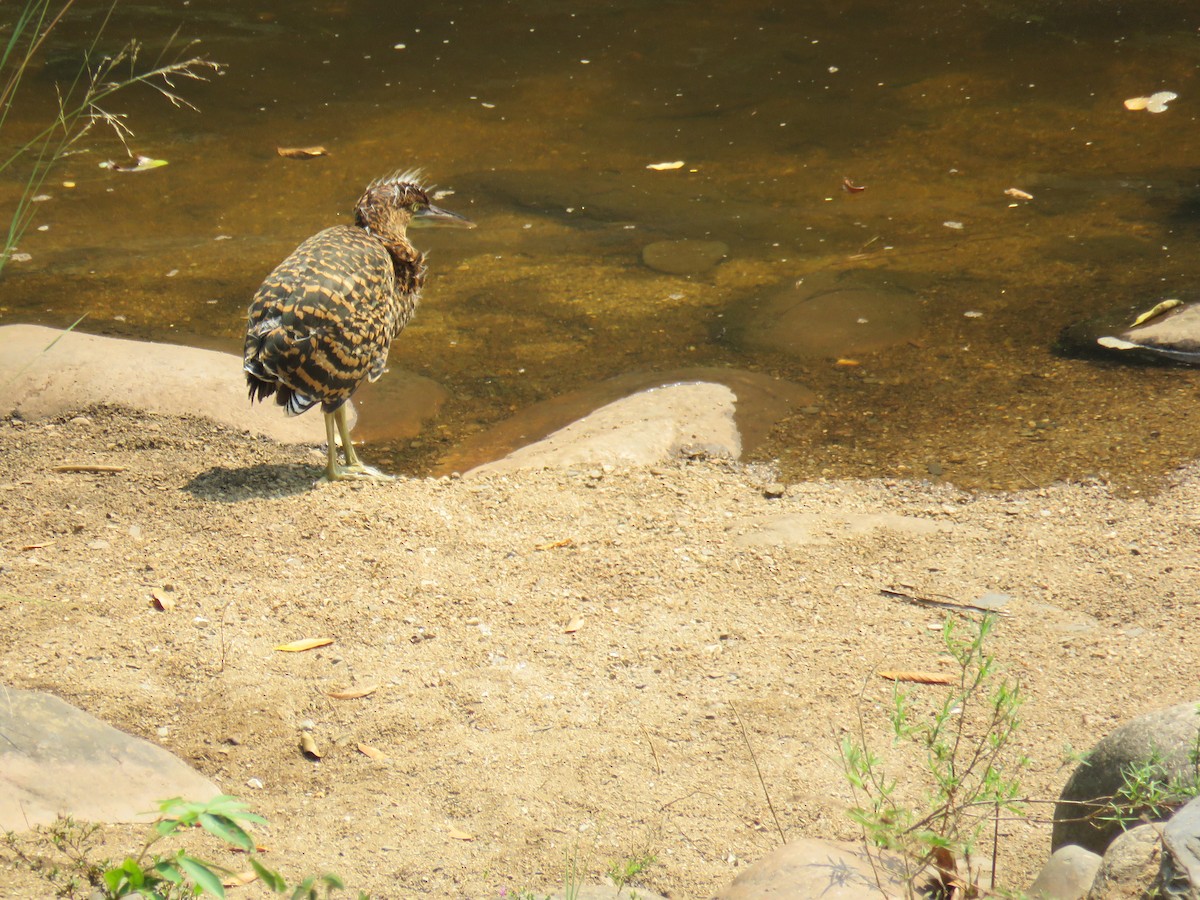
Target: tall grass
{"type": "Point", "coordinates": [80, 102]}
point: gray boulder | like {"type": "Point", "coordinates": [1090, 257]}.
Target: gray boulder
{"type": "Point", "coordinates": [1129, 866]}
{"type": "Point", "coordinates": [808, 869]}
{"type": "Point", "coordinates": [1167, 736]}
{"type": "Point", "coordinates": [45, 372]}
{"type": "Point", "coordinates": [1179, 876]}
{"type": "Point", "coordinates": [1066, 876]}
{"type": "Point", "coordinates": [58, 760]}
{"type": "Point", "coordinates": [644, 429]}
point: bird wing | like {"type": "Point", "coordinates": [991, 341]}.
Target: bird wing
{"type": "Point", "coordinates": [322, 321]}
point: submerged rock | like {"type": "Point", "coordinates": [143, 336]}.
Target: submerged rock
{"type": "Point", "coordinates": [1166, 332]}
{"type": "Point", "coordinates": [684, 257]}
{"type": "Point", "coordinates": [827, 316]}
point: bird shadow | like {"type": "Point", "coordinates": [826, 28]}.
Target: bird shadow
{"type": "Point", "coordinates": [261, 482]}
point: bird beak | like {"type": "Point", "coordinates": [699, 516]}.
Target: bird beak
{"type": "Point", "coordinates": [432, 215]}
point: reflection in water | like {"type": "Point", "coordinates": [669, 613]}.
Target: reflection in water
{"type": "Point", "coordinates": [542, 119]}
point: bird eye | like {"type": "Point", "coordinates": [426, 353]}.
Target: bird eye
{"type": "Point", "coordinates": [415, 206]}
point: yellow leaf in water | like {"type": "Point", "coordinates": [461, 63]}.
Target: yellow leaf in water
{"type": "Point", "coordinates": [353, 693]}
{"type": "Point", "coordinates": [666, 166]}
{"type": "Point", "coordinates": [300, 152]}
{"type": "Point", "coordinates": [305, 644]}
{"type": "Point", "coordinates": [1164, 306]}
{"type": "Point", "coordinates": [137, 164]}
{"type": "Point", "coordinates": [371, 752]}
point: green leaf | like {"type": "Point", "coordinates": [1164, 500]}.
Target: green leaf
{"type": "Point", "coordinates": [166, 827]}
{"type": "Point", "coordinates": [169, 871]}
{"type": "Point", "coordinates": [202, 875]}
{"type": "Point", "coordinates": [332, 882]}
{"type": "Point", "coordinates": [270, 877]}
{"type": "Point", "coordinates": [227, 830]}
{"type": "Point", "coordinates": [305, 890]}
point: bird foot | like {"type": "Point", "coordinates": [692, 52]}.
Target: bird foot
{"type": "Point", "coordinates": [358, 472]}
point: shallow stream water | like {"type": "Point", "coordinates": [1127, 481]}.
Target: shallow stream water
{"type": "Point", "coordinates": [540, 119]}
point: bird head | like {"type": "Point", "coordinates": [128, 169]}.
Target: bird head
{"type": "Point", "coordinates": [390, 205]}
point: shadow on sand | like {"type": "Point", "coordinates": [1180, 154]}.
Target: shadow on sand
{"type": "Point", "coordinates": [261, 482]}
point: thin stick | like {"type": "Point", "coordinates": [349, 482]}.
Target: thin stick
{"type": "Point", "coordinates": [653, 752]}
{"type": "Point", "coordinates": [761, 780]}
{"type": "Point", "coordinates": [89, 469]}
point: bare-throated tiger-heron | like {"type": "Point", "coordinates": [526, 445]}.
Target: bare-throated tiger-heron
{"type": "Point", "coordinates": [323, 321]}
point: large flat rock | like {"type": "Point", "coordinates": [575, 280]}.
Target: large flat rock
{"type": "Point", "coordinates": [761, 402]}
{"type": "Point", "coordinates": [46, 372]}
{"type": "Point", "coordinates": [58, 760]}
{"type": "Point", "coordinates": [647, 428]}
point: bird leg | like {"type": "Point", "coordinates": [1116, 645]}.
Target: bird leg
{"type": "Point", "coordinates": [355, 469]}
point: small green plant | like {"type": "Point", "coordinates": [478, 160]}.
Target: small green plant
{"type": "Point", "coordinates": [621, 872]}
{"type": "Point", "coordinates": [969, 771]}
{"type": "Point", "coordinates": [64, 853]}
{"type": "Point", "coordinates": [1153, 789]}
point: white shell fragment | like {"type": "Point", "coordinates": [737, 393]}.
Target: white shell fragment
{"type": "Point", "coordinates": [1019, 194]}
{"type": "Point", "coordinates": [957, 226]}
{"type": "Point", "coordinates": [667, 166]}
{"type": "Point", "coordinates": [1155, 103]}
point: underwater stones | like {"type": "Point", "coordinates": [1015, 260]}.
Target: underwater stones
{"type": "Point", "coordinates": [826, 316]}
{"type": "Point", "coordinates": [685, 257]}
{"type": "Point", "coordinates": [1164, 332]}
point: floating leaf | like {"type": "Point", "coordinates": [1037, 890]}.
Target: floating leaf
{"type": "Point", "coordinates": [1155, 103]}
{"type": "Point", "coordinates": [371, 752]}
{"type": "Point", "coordinates": [918, 677]}
{"type": "Point", "coordinates": [137, 164]}
{"type": "Point", "coordinates": [1158, 310]}
{"type": "Point", "coordinates": [666, 166]}
{"type": "Point", "coordinates": [305, 644]}
{"type": "Point", "coordinates": [301, 152]}
{"type": "Point", "coordinates": [353, 693]}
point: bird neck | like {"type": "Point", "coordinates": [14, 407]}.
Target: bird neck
{"type": "Point", "coordinates": [408, 263]}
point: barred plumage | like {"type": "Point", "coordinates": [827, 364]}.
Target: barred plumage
{"type": "Point", "coordinates": [324, 319]}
